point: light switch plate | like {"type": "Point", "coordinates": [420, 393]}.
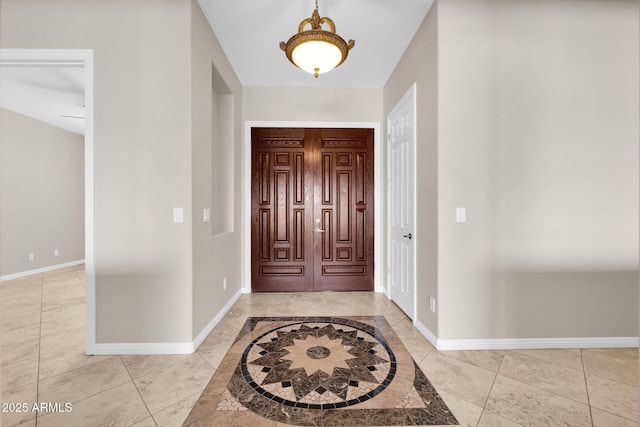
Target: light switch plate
{"type": "Point", "coordinates": [461, 215]}
{"type": "Point", "coordinates": [206, 215]}
{"type": "Point", "coordinates": [178, 215]}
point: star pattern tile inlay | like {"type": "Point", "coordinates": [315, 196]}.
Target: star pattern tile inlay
{"type": "Point", "coordinates": [318, 354]}
{"type": "Point", "coordinates": [319, 371]}
{"type": "Point", "coordinates": [321, 361]}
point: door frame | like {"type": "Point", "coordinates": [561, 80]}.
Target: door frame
{"type": "Point", "coordinates": [378, 250]}
{"type": "Point", "coordinates": [75, 57]}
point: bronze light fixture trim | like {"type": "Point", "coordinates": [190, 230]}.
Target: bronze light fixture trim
{"type": "Point", "coordinates": [316, 51]}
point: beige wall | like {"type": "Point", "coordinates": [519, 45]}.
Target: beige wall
{"type": "Point", "coordinates": [215, 255]}
{"type": "Point", "coordinates": [312, 104]}
{"type": "Point", "coordinates": [528, 117]}
{"type": "Point", "coordinates": [142, 153]}
{"type": "Point", "coordinates": [538, 139]}
{"type": "Point", "coordinates": [315, 104]}
{"type": "Point", "coordinates": [419, 65]}
{"type": "Point", "coordinates": [42, 194]}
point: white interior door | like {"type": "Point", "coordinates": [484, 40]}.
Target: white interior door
{"type": "Point", "coordinates": [401, 157]}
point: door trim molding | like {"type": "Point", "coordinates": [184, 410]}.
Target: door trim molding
{"type": "Point", "coordinates": [378, 285]}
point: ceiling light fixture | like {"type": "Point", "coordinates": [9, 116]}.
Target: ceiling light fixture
{"type": "Point", "coordinates": [316, 51]}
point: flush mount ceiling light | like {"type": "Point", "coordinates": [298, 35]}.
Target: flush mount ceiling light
{"type": "Point", "coordinates": [316, 51]}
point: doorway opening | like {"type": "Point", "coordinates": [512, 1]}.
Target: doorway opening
{"type": "Point", "coordinates": [74, 58]}
{"type": "Point", "coordinates": [379, 252]}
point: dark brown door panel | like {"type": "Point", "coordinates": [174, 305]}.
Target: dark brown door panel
{"type": "Point", "coordinates": [312, 209]}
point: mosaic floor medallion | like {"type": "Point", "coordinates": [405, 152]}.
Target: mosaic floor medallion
{"type": "Point", "coordinates": [319, 371]}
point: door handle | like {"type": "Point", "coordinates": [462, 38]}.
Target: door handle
{"type": "Point", "coordinates": [318, 230]}
{"type": "Point", "coordinates": [408, 236]}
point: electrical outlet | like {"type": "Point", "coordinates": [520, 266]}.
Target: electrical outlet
{"type": "Point", "coordinates": [56, 252]}
{"type": "Point", "coordinates": [224, 284]}
{"type": "Point", "coordinates": [31, 257]}
{"type": "Point", "coordinates": [432, 304]}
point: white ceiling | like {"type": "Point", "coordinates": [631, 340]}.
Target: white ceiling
{"type": "Point", "coordinates": [46, 92]}
{"type": "Point", "coordinates": [250, 32]}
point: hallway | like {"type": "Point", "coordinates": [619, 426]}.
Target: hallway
{"type": "Point", "coordinates": [43, 360]}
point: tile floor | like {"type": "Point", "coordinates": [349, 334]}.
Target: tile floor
{"type": "Point", "coordinates": [43, 361]}
{"type": "Point", "coordinates": [319, 371]}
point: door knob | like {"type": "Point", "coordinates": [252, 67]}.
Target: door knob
{"type": "Point", "coordinates": [408, 236]}
{"type": "Point", "coordinates": [318, 230]}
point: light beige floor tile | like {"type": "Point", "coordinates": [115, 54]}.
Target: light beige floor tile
{"type": "Point", "coordinates": [613, 397]}
{"type": "Point", "coordinates": [618, 364]}
{"type": "Point", "coordinates": [413, 340]}
{"type": "Point", "coordinates": [567, 357]}
{"type": "Point", "coordinates": [462, 378]}
{"type": "Point", "coordinates": [531, 406]}
{"type": "Point", "coordinates": [141, 365]}
{"type": "Point", "coordinates": [546, 375]}
{"type": "Point", "coordinates": [605, 419]}
{"type": "Point", "coordinates": [62, 341]}
{"type": "Point", "coordinates": [465, 412]}
{"type": "Point", "coordinates": [23, 313]}
{"type": "Point", "coordinates": [20, 351]}
{"type": "Point", "coordinates": [52, 364]}
{"type": "Point", "coordinates": [20, 373]}
{"type": "Point", "coordinates": [62, 302]}
{"type": "Point", "coordinates": [84, 382]}
{"type": "Point", "coordinates": [60, 286]}
{"type": "Point", "coordinates": [62, 295]}
{"type": "Point", "coordinates": [489, 419]}
{"type": "Point", "coordinates": [24, 394]}
{"type": "Point", "coordinates": [147, 422]}
{"type": "Point", "coordinates": [16, 335]}
{"type": "Point", "coordinates": [68, 277]}
{"type": "Point", "coordinates": [17, 289]}
{"type": "Point", "coordinates": [119, 406]}
{"type": "Point", "coordinates": [62, 325]}
{"type": "Point", "coordinates": [458, 378]}
{"type": "Point", "coordinates": [17, 299]}
{"type": "Point", "coordinates": [62, 291]}
{"type": "Point", "coordinates": [22, 282]}
{"type": "Point", "coordinates": [30, 423]}
{"type": "Point", "coordinates": [163, 388]}
{"type": "Point", "coordinates": [64, 312]}
{"type": "Point", "coordinates": [176, 414]}
{"type": "Point", "coordinates": [21, 318]}
{"type": "Point", "coordinates": [214, 355]}
{"type": "Point", "coordinates": [487, 359]}
{"type": "Point", "coordinates": [223, 335]}
{"type": "Point", "coordinates": [20, 303]}
{"type": "Point", "coordinates": [60, 271]}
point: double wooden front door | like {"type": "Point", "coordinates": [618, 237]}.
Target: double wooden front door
{"type": "Point", "coordinates": [311, 209]}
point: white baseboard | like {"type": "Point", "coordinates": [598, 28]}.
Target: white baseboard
{"type": "Point", "coordinates": [526, 343]}
{"type": "Point", "coordinates": [216, 319]}
{"type": "Point", "coordinates": [166, 348]}
{"type": "Point", "coordinates": [40, 270]}
{"type": "Point", "coordinates": [426, 333]}
{"type": "Point", "coordinates": [538, 343]}
{"type": "Point", "coordinates": [143, 348]}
